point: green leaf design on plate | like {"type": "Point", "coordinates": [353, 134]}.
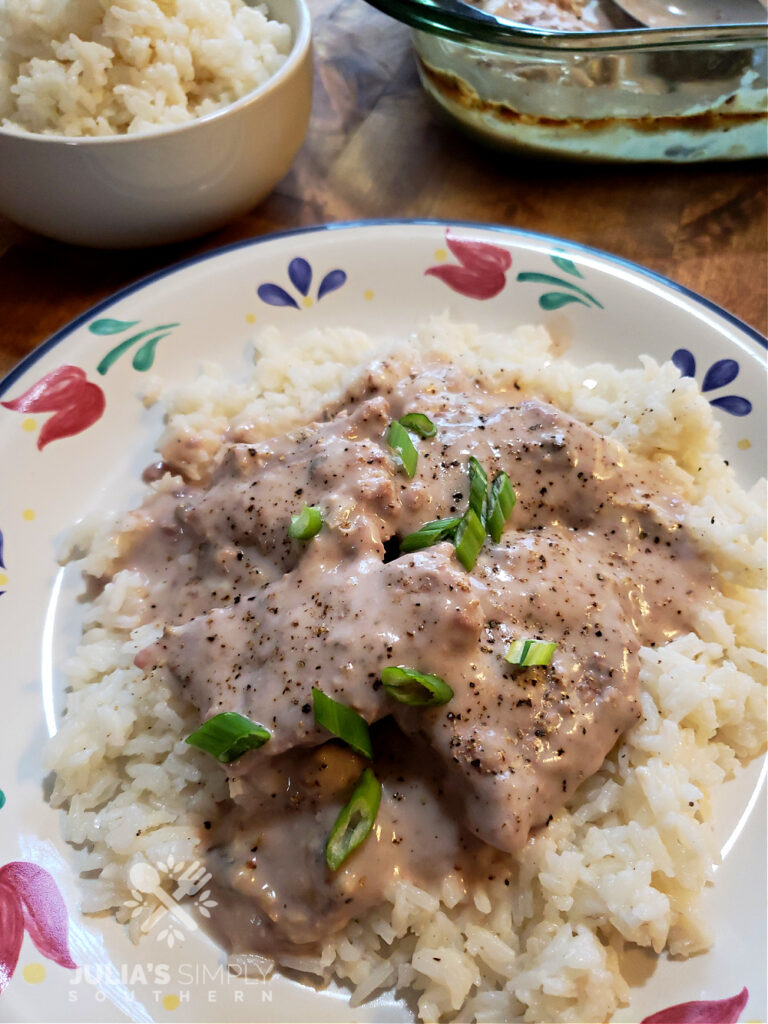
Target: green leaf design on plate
{"type": "Point", "coordinates": [563, 263]}
{"type": "Point", "coordinates": [554, 300]}
{"type": "Point", "coordinates": [145, 356]}
{"type": "Point", "coordinates": [108, 326]}
{"type": "Point", "coordinates": [114, 354]}
{"type": "Point", "coordinates": [558, 282]}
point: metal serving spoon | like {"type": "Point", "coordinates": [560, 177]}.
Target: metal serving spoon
{"type": "Point", "coordinates": [683, 13]}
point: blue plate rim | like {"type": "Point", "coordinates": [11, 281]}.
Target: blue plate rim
{"type": "Point", "coordinates": [55, 339]}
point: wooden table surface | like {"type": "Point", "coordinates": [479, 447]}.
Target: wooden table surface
{"type": "Point", "coordinates": [377, 148]}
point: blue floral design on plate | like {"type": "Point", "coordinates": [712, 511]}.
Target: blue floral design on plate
{"type": "Point", "coordinates": [720, 373]}
{"type": "Point", "coordinates": [300, 276]}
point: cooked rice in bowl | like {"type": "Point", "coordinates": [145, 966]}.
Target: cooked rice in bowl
{"type": "Point", "coordinates": [98, 67]}
{"type": "Point", "coordinates": [624, 863]}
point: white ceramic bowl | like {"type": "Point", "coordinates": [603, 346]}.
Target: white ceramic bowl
{"type": "Point", "coordinates": [163, 186]}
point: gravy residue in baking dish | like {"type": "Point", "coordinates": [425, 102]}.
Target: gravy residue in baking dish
{"type": "Point", "coordinates": [559, 15]}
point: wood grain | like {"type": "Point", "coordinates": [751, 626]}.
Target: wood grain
{"type": "Point", "coordinates": [377, 148]}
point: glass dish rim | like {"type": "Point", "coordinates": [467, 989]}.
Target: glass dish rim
{"type": "Point", "coordinates": [460, 21]}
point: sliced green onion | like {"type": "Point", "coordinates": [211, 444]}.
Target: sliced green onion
{"type": "Point", "coordinates": [343, 722]}
{"type": "Point", "coordinates": [419, 423]}
{"type": "Point", "coordinates": [478, 489]}
{"type": "Point", "coordinates": [418, 689]}
{"type": "Point", "coordinates": [307, 523]}
{"type": "Point", "coordinates": [228, 736]}
{"type": "Point", "coordinates": [470, 535]}
{"type": "Point", "coordinates": [530, 652]}
{"type": "Point", "coordinates": [500, 505]}
{"type": "Point", "coordinates": [355, 821]}
{"type": "Point", "coordinates": [429, 534]}
{"type": "Point", "coordinates": [399, 441]}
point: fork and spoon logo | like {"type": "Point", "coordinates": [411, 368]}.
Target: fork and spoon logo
{"type": "Point", "coordinates": [147, 883]}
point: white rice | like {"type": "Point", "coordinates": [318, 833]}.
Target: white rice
{"type": "Point", "coordinates": [626, 863]}
{"type": "Point", "coordinates": [98, 67]}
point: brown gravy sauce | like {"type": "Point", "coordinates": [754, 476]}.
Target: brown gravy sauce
{"type": "Point", "coordinates": [595, 556]}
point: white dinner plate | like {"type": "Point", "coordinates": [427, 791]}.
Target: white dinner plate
{"type": "Point", "coordinates": [77, 444]}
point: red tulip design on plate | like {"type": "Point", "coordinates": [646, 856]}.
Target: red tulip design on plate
{"type": "Point", "coordinates": [483, 270]}
{"type": "Point", "coordinates": [30, 901]}
{"type": "Point", "coordinates": [705, 1011]}
{"type": "Point", "coordinates": [75, 402]}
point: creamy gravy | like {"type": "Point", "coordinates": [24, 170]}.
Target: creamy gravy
{"type": "Point", "coordinates": [594, 556]}
{"type": "Point", "coordinates": [270, 849]}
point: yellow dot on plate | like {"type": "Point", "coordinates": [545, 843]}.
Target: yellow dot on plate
{"type": "Point", "coordinates": [29, 424]}
{"type": "Point", "coordinates": [250, 318]}
{"type": "Point", "coordinates": [368, 294]}
{"type": "Point", "coordinates": [306, 302]}
{"type": "Point", "coordinates": [171, 1002]}
{"type": "Point", "coordinates": [28, 514]}
{"type": "Point", "coordinates": [441, 254]}
{"type": "Point", "coordinates": [34, 973]}
{"type": "Point", "coordinates": [745, 444]}
{"type": "Point", "coordinates": [3, 579]}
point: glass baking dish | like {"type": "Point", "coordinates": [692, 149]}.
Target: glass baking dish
{"type": "Point", "coordinates": [682, 95]}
